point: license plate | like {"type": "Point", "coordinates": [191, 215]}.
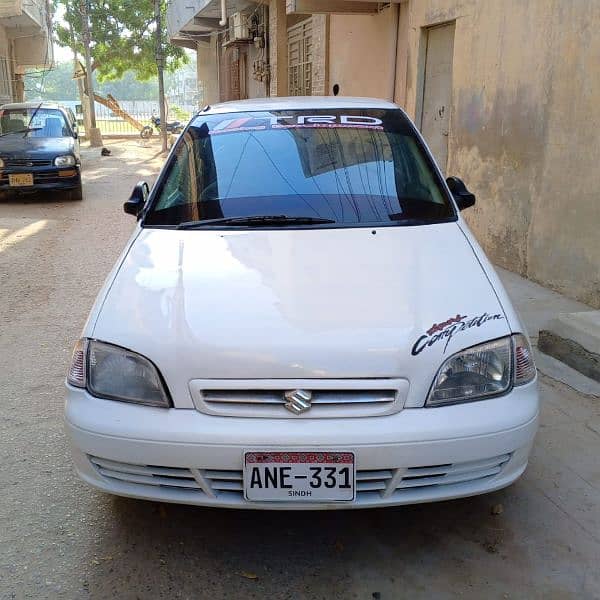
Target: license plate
{"type": "Point", "coordinates": [20, 179]}
{"type": "Point", "coordinates": [311, 476]}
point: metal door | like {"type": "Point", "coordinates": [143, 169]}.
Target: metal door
{"type": "Point", "coordinates": [437, 91]}
{"type": "Point", "coordinates": [300, 59]}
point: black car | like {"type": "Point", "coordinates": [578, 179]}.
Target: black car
{"type": "Point", "coordinates": [39, 149]}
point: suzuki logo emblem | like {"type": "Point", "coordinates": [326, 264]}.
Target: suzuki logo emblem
{"type": "Point", "coordinates": [298, 401]}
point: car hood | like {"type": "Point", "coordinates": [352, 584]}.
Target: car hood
{"type": "Point", "coordinates": [16, 146]}
{"type": "Point", "coordinates": [312, 303]}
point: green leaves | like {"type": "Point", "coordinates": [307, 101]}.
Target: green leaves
{"type": "Point", "coordinates": [122, 37]}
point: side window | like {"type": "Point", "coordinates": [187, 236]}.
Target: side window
{"type": "Point", "coordinates": [418, 180]}
{"type": "Point", "coordinates": [180, 187]}
{"type": "Point", "coordinates": [72, 119]}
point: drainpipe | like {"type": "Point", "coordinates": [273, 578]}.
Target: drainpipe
{"type": "Point", "coordinates": [223, 20]}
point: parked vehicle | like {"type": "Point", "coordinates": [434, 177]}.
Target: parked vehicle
{"type": "Point", "coordinates": [175, 127]}
{"type": "Point", "coordinates": [301, 319]}
{"type": "Point", "coordinates": [39, 149]}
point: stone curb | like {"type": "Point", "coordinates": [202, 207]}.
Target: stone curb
{"type": "Point", "coordinates": [575, 340]}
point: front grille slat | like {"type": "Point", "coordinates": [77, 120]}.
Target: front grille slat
{"type": "Point", "coordinates": [231, 475]}
{"type": "Point", "coordinates": [447, 479]}
{"type": "Point", "coordinates": [482, 464]}
{"type": "Point", "coordinates": [366, 475]}
{"type": "Point", "coordinates": [230, 486]}
{"type": "Point", "coordinates": [151, 479]}
{"type": "Point", "coordinates": [235, 397]}
{"type": "Point", "coordinates": [141, 470]}
{"type": "Point", "coordinates": [369, 486]}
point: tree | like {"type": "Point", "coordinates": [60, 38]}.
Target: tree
{"type": "Point", "coordinates": [57, 84]}
{"type": "Point", "coordinates": [122, 37]}
{"type": "Point", "coordinates": [129, 88]}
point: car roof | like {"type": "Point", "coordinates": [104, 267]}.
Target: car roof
{"type": "Point", "coordinates": [297, 103]}
{"type": "Point", "coordinates": [33, 105]}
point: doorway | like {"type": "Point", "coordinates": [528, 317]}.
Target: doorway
{"type": "Point", "coordinates": [437, 91]}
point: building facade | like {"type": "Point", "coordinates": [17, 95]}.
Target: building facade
{"type": "Point", "coordinates": [25, 43]}
{"type": "Point", "coordinates": [505, 93]}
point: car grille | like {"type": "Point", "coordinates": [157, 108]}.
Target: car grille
{"type": "Point", "coordinates": [381, 483]}
{"type": "Point", "coordinates": [330, 398]}
{"type": "Point", "coordinates": [27, 162]}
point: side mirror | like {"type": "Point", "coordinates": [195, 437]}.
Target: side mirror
{"type": "Point", "coordinates": [137, 200]}
{"type": "Point", "coordinates": [75, 134]}
{"type": "Point", "coordinates": [463, 197]}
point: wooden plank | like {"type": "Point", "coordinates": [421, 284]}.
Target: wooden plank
{"type": "Point", "coordinates": [113, 105]}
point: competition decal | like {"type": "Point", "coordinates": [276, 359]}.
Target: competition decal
{"type": "Point", "coordinates": [447, 329]}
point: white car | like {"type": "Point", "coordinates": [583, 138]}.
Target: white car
{"type": "Point", "coordinates": [301, 320]}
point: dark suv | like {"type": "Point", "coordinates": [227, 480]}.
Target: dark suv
{"type": "Point", "coordinates": [39, 149]}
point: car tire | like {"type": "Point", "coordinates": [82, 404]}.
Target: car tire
{"type": "Point", "coordinates": [76, 193]}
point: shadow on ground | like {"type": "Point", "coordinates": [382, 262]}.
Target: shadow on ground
{"type": "Point", "coordinates": [218, 553]}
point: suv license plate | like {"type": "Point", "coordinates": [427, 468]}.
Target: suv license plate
{"type": "Point", "coordinates": [20, 179]}
{"type": "Point", "coordinates": [311, 476]}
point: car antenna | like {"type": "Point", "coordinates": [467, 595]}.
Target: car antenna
{"type": "Point", "coordinates": [32, 117]}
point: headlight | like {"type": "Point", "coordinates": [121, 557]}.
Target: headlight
{"type": "Point", "coordinates": [482, 371]}
{"type": "Point", "coordinates": [114, 373]}
{"type": "Point", "coordinates": [64, 161]}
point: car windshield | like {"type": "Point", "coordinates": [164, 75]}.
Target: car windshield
{"type": "Point", "coordinates": [342, 167]}
{"type": "Point", "coordinates": [46, 122]}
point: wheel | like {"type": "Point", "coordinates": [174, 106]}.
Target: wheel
{"type": "Point", "coordinates": [146, 132]}
{"type": "Point", "coordinates": [76, 193]}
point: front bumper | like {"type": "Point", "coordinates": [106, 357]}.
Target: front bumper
{"type": "Point", "coordinates": [44, 179]}
{"type": "Point", "coordinates": [416, 455]}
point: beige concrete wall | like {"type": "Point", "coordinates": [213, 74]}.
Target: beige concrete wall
{"type": "Point", "coordinates": [525, 130]}
{"type": "Point", "coordinates": [207, 70]}
{"type": "Point", "coordinates": [254, 87]}
{"type": "Point", "coordinates": [362, 53]}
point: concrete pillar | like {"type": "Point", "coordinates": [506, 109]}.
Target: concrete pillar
{"type": "Point", "coordinates": [207, 67]}
{"type": "Point", "coordinates": [320, 55]}
{"type": "Point", "coordinates": [278, 48]}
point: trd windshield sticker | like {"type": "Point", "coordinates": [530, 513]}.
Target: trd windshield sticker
{"type": "Point", "coordinates": [446, 330]}
{"type": "Point", "coordinates": [296, 122]}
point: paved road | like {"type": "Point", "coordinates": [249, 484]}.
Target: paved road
{"type": "Point", "coordinates": [59, 538]}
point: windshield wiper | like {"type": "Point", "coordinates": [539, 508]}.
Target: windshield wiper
{"type": "Point", "coordinates": [35, 112]}
{"type": "Point", "coordinates": [274, 220]}
{"type": "Point", "coordinates": [26, 130]}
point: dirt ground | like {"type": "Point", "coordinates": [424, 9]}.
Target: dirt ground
{"type": "Point", "coordinates": [539, 538]}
